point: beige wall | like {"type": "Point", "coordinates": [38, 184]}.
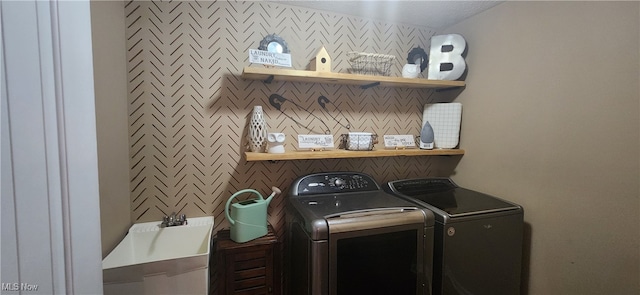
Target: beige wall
{"type": "Point", "coordinates": [551, 121]}
{"type": "Point", "coordinates": [110, 70]}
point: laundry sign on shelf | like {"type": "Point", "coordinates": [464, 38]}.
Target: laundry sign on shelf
{"type": "Point", "coordinates": [399, 141]}
{"type": "Point", "coordinates": [269, 58]}
{"type": "Point", "coordinates": [315, 141]}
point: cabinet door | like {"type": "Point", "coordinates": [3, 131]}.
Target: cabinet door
{"type": "Point", "coordinates": [250, 271]}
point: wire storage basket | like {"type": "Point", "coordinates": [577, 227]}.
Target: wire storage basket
{"type": "Point", "coordinates": [376, 64]}
{"type": "Point", "coordinates": [358, 141]}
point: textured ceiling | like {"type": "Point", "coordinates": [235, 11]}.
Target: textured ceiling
{"type": "Point", "coordinates": [432, 14]}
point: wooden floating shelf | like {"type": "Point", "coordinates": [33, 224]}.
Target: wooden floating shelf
{"type": "Point", "coordinates": [364, 81]}
{"type": "Point", "coordinates": [344, 154]}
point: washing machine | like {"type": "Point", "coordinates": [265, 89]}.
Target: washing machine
{"type": "Point", "coordinates": [346, 235]}
{"type": "Point", "coordinates": [477, 237]}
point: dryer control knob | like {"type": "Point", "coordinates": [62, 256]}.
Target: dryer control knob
{"type": "Point", "coordinates": [338, 182]}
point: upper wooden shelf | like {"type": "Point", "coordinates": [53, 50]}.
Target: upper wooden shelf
{"type": "Point", "coordinates": [364, 81]}
{"type": "Point", "coordinates": [344, 154]}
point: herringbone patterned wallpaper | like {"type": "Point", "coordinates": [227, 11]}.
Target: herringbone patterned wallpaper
{"type": "Point", "coordinates": [189, 107]}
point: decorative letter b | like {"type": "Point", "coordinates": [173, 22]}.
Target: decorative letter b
{"type": "Point", "coordinates": [445, 58]}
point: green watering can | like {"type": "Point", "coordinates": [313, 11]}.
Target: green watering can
{"type": "Point", "coordinates": [248, 219]}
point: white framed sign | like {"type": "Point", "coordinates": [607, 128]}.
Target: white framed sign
{"type": "Point", "coordinates": [399, 141]}
{"type": "Point", "coordinates": [269, 58]}
{"type": "Point", "coordinates": [315, 141]}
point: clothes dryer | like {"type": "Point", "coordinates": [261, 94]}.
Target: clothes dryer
{"type": "Point", "coordinates": [477, 237]}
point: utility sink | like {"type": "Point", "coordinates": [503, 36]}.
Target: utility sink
{"type": "Point", "coordinates": [161, 260]}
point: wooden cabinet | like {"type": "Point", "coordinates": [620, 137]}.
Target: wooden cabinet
{"type": "Point", "coordinates": [254, 267]}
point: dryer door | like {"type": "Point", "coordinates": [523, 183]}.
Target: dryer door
{"type": "Point", "coordinates": [380, 254]}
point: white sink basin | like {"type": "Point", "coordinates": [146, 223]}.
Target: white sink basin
{"type": "Point", "coordinates": [152, 253]}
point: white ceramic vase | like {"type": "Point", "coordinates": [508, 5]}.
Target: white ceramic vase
{"type": "Point", "coordinates": [257, 130]}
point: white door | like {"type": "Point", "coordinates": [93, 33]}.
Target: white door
{"type": "Point", "coordinates": [50, 213]}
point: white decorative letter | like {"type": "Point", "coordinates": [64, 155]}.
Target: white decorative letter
{"type": "Point", "coordinates": [445, 58]}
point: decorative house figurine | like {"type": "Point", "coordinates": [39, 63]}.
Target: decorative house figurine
{"type": "Point", "coordinates": [322, 61]}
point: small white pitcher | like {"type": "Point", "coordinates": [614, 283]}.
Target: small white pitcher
{"type": "Point", "coordinates": [410, 71]}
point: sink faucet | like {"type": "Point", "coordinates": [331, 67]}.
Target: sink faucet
{"type": "Point", "coordinates": [174, 220]}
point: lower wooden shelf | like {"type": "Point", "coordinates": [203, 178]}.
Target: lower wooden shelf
{"type": "Point", "coordinates": [344, 154]}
